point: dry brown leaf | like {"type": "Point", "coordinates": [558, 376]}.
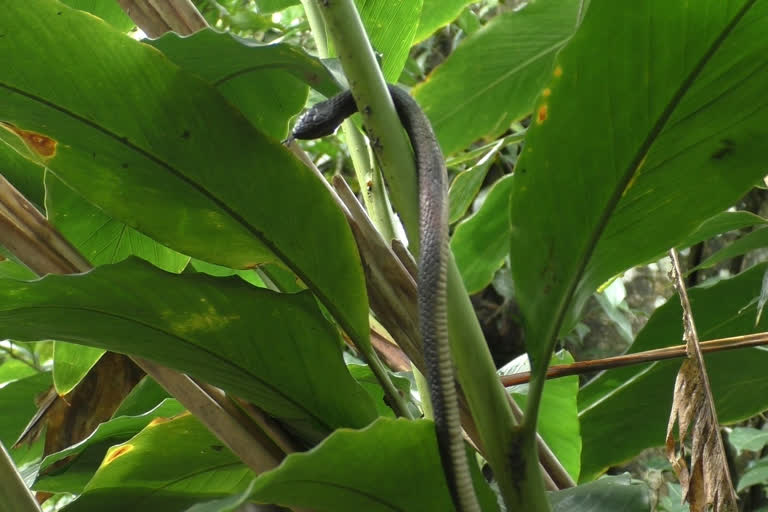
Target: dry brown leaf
{"type": "Point", "coordinates": [707, 482]}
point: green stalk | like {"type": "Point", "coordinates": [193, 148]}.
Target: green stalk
{"type": "Point", "coordinates": [487, 399]}
{"type": "Point", "coordinates": [14, 493]}
{"type": "Point", "coordinates": [316, 25]}
{"type": "Point", "coordinates": [348, 37]}
{"type": "Point", "coordinates": [368, 178]}
{"type": "Point", "coordinates": [363, 169]}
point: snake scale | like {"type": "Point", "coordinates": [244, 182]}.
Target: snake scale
{"type": "Point", "coordinates": [323, 119]}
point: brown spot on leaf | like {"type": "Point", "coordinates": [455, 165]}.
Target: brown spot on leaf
{"type": "Point", "coordinates": [36, 142]}
{"type": "Point", "coordinates": [117, 452]}
{"type": "Point", "coordinates": [542, 113]}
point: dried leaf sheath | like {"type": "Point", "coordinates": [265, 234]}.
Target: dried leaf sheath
{"type": "Point", "coordinates": [708, 481]}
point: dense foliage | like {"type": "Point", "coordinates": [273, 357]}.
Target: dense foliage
{"type": "Point", "coordinates": [583, 139]}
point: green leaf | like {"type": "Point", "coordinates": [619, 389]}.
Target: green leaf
{"type": "Point", "coordinates": [365, 470]}
{"type": "Point", "coordinates": [170, 465]}
{"type": "Point", "coordinates": [719, 224]}
{"type": "Point", "coordinates": [13, 369]}
{"type": "Point", "coordinates": [71, 363]}
{"type": "Point", "coordinates": [481, 242]}
{"type": "Point", "coordinates": [673, 501]}
{"type": "Point", "coordinates": [558, 418]}
{"type": "Point", "coordinates": [509, 61]}
{"type": "Point", "coordinates": [748, 439]}
{"type": "Point", "coordinates": [365, 377]}
{"type": "Point", "coordinates": [246, 73]}
{"type": "Point", "coordinates": [111, 12]}
{"type": "Point", "coordinates": [13, 270]}
{"type": "Point", "coordinates": [609, 493]}
{"type": "Point", "coordinates": [466, 185]}
{"type": "Point", "coordinates": [229, 504]}
{"type": "Point", "coordinates": [249, 276]}
{"type": "Point", "coordinates": [159, 149]}
{"type": "Point", "coordinates": [390, 25]}
{"type": "Point", "coordinates": [144, 397]}
{"type": "Point", "coordinates": [17, 401]}
{"type": "Point", "coordinates": [270, 6]}
{"type": "Point", "coordinates": [100, 239]}
{"type": "Point", "coordinates": [755, 474]}
{"type": "Point", "coordinates": [437, 13]}
{"type": "Point", "coordinates": [25, 176]}
{"type": "Point", "coordinates": [626, 410]}
{"type": "Point", "coordinates": [647, 153]}
{"type": "Point", "coordinates": [275, 350]}
{"type": "Point", "coordinates": [755, 240]}
{"type": "Point", "coordinates": [73, 476]}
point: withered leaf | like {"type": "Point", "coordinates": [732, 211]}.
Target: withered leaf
{"type": "Point", "coordinates": [707, 482]}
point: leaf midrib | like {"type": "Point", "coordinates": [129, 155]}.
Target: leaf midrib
{"type": "Point", "coordinates": [256, 233]}
{"type": "Point", "coordinates": [634, 165]}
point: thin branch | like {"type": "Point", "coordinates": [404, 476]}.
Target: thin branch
{"type": "Point", "coordinates": [649, 356]}
{"type": "Point", "coordinates": [17, 357]}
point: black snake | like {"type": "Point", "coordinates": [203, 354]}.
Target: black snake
{"type": "Point", "coordinates": [323, 119]}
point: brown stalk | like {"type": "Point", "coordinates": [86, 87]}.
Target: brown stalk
{"type": "Point", "coordinates": [706, 481]}
{"type": "Point", "coordinates": [156, 17]}
{"type": "Point", "coordinates": [648, 356]}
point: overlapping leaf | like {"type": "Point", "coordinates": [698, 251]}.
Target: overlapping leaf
{"type": "Point", "coordinates": [170, 465]}
{"type": "Point", "coordinates": [480, 243]}
{"type": "Point", "coordinates": [390, 25]}
{"type": "Point", "coordinates": [508, 61]}
{"type": "Point", "coordinates": [276, 350]}
{"type": "Point", "coordinates": [637, 399]}
{"type": "Point", "coordinates": [365, 470]}
{"type": "Point", "coordinates": [246, 73]}
{"type": "Point", "coordinates": [653, 121]}
{"type": "Point", "coordinates": [160, 150]}
{"type": "Point", "coordinates": [73, 477]}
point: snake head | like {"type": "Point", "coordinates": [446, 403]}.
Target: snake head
{"type": "Point", "coordinates": [324, 117]}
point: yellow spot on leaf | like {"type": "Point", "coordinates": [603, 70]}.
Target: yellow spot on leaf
{"type": "Point", "coordinates": [36, 142]}
{"type": "Point", "coordinates": [158, 421]}
{"type": "Point", "coordinates": [558, 72]}
{"type": "Point", "coordinates": [541, 114]}
{"type": "Point", "coordinates": [117, 452]}
{"type": "Point", "coordinates": [546, 92]}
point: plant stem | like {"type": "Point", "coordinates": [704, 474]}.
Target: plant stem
{"type": "Point", "coordinates": [377, 209]}
{"type": "Point", "coordinates": [348, 37]}
{"type": "Point", "coordinates": [368, 177]}
{"type": "Point", "coordinates": [15, 495]}
{"type": "Point", "coordinates": [487, 399]}
{"type": "Point", "coordinates": [370, 180]}
{"type": "Point", "coordinates": [317, 26]}
{"type": "Point", "coordinates": [477, 374]}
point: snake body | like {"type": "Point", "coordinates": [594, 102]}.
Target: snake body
{"type": "Point", "coordinates": [323, 119]}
